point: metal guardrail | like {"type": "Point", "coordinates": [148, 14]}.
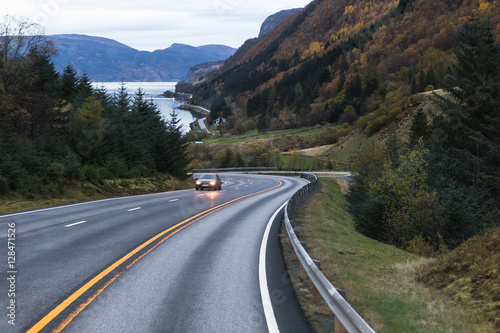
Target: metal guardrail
{"type": "Point", "coordinates": [350, 319]}
{"type": "Point", "coordinates": [235, 169]}
{"type": "Point", "coordinates": [273, 170]}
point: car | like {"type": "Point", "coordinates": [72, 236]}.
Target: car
{"type": "Point", "coordinates": [208, 180]}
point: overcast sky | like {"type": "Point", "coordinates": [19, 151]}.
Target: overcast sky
{"type": "Point", "coordinates": [154, 24]}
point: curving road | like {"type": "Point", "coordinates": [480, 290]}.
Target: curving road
{"type": "Point", "coordinates": [183, 261]}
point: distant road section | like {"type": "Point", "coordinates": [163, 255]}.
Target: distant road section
{"type": "Point", "coordinates": [203, 126]}
{"type": "Point", "coordinates": [198, 112]}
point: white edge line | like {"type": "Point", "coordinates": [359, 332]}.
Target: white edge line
{"type": "Point", "coordinates": [173, 200]}
{"type": "Point", "coordinates": [84, 203]}
{"type": "Point", "coordinates": [76, 223]}
{"type": "Point", "coordinates": [272, 325]}
{"type": "Point", "coordinates": [136, 208]}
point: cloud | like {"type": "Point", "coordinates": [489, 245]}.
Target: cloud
{"type": "Point", "coordinates": [154, 24]}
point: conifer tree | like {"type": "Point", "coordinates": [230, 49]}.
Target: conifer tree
{"type": "Point", "coordinates": [84, 86]}
{"type": "Point", "coordinates": [69, 82]}
{"type": "Point", "coordinates": [419, 128]}
{"type": "Point", "coordinates": [467, 152]}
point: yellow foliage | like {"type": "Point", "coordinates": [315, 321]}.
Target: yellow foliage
{"type": "Point", "coordinates": [349, 10]}
{"type": "Point", "coordinates": [314, 48]}
{"type": "Point", "coordinates": [483, 5]}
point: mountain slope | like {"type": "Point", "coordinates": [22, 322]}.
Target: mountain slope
{"type": "Point", "coordinates": [274, 20]}
{"type": "Point", "coordinates": [108, 60]}
{"type": "Point", "coordinates": [342, 59]}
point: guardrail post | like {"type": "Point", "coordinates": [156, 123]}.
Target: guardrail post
{"type": "Point", "coordinates": [338, 327]}
{"type": "Point", "coordinates": [316, 295]}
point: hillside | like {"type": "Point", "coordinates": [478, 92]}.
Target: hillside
{"type": "Point", "coordinates": [107, 60]}
{"type": "Point", "coordinates": [274, 20]}
{"type": "Point", "coordinates": [470, 276]}
{"type": "Point", "coordinates": [199, 71]}
{"type": "Point", "coordinates": [334, 58]}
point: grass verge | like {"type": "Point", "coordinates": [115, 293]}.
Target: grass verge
{"type": "Point", "coordinates": [86, 191]}
{"type": "Point", "coordinates": [254, 135]}
{"type": "Point", "coordinates": [470, 275]}
{"type": "Point", "coordinates": [379, 280]}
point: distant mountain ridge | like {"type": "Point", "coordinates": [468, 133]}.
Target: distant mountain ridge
{"type": "Point", "coordinates": [202, 70]}
{"type": "Point", "coordinates": [104, 59]}
{"type": "Point", "coordinates": [274, 20]}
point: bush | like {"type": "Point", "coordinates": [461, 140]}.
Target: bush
{"type": "Point", "coordinates": [92, 173]}
{"type": "Point", "coordinates": [4, 185]}
{"type": "Point", "coordinates": [117, 168]}
{"type": "Point", "coordinates": [32, 186]}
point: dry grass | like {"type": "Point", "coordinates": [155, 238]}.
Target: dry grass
{"type": "Point", "coordinates": [379, 280]}
{"type": "Point", "coordinates": [85, 191]}
{"type": "Point", "coordinates": [346, 150]}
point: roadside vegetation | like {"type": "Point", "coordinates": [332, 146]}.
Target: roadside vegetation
{"type": "Point", "coordinates": [441, 186]}
{"type": "Point", "coordinates": [272, 149]}
{"type": "Point", "coordinates": [383, 283]}
{"type": "Point", "coordinates": [58, 133]}
{"type": "Point", "coordinates": [78, 191]}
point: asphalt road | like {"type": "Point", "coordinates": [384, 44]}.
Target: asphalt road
{"type": "Point", "coordinates": [183, 261]}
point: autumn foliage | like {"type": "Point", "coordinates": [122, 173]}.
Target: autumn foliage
{"type": "Point", "coordinates": [369, 55]}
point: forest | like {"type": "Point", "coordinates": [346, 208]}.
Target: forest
{"type": "Point", "coordinates": [361, 64]}
{"type": "Point", "coordinates": [56, 128]}
{"type": "Point", "coordinates": [336, 57]}
{"type": "Point", "coordinates": [442, 186]}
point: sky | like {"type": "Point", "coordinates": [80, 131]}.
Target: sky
{"type": "Point", "coordinates": [155, 24]}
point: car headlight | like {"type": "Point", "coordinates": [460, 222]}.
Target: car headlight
{"type": "Point", "coordinates": [213, 183]}
{"type": "Point", "coordinates": [198, 182]}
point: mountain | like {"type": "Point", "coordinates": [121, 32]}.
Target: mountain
{"type": "Point", "coordinates": [343, 60]}
{"type": "Point", "coordinates": [199, 71]}
{"type": "Point", "coordinates": [105, 59]}
{"type": "Point", "coordinates": [274, 20]}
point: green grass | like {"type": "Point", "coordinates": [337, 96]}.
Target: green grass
{"type": "Point", "coordinates": [471, 275]}
{"type": "Point", "coordinates": [254, 135]}
{"type": "Point", "coordinates": [379, 280]}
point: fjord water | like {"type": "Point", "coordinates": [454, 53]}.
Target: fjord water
{"type": "Point", "coordinates": [153, 90]}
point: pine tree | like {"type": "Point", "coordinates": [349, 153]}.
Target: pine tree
{"type": "Point", "coordinates": [69, 82]}
{"type": "Point", "coordinates": [419, 128]}
{"type": "Point", "coordinates": [421, 84]}
{"type": "Point", "coordinates": [430, 79]}
{"type": "Point", "coordinates": [467, 153]}
{"type": "Point", "coordinates": [393, 146]}
{"type": "Point", "coordinates": [84, 86]}
{"type": "Point", "coordinates": [175, 157]}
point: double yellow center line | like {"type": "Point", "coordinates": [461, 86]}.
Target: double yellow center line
{"type": "Point", "coordinates": [159, 238]}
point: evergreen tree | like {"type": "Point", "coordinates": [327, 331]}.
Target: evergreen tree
{"type": "Point", "coordinates": [43, 91]}
{"type": "Point", "coordinates": [470, 122]}
{"type": "Point", "coordinates": [371, 79]}
{"type": "Point", "coordinates": [430, 79]}
{"type": "Point", "coordinates": [84, 86]}
{"type": "Point", "coordinates": [69, 82]}
{"type": "Point", "coordinates": [177, 155]}
{"type": "Point", "coordinates": [467, 153]}
{"type": "Point", "coordinates": [146, 122]}
{"type": "Point", "coordinates": [413, 85]}
{"type": "Point", "coordinates": [419, 128]}
{"type": "Point", "coordinates": [421, 84]}
{"type": "Point", "coordinates": [393, 146]}
{"type": "Point", "coordinates": [118, 133]}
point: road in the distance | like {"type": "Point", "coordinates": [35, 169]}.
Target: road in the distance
{"type": "Point", "coordinates": [203, 277]}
